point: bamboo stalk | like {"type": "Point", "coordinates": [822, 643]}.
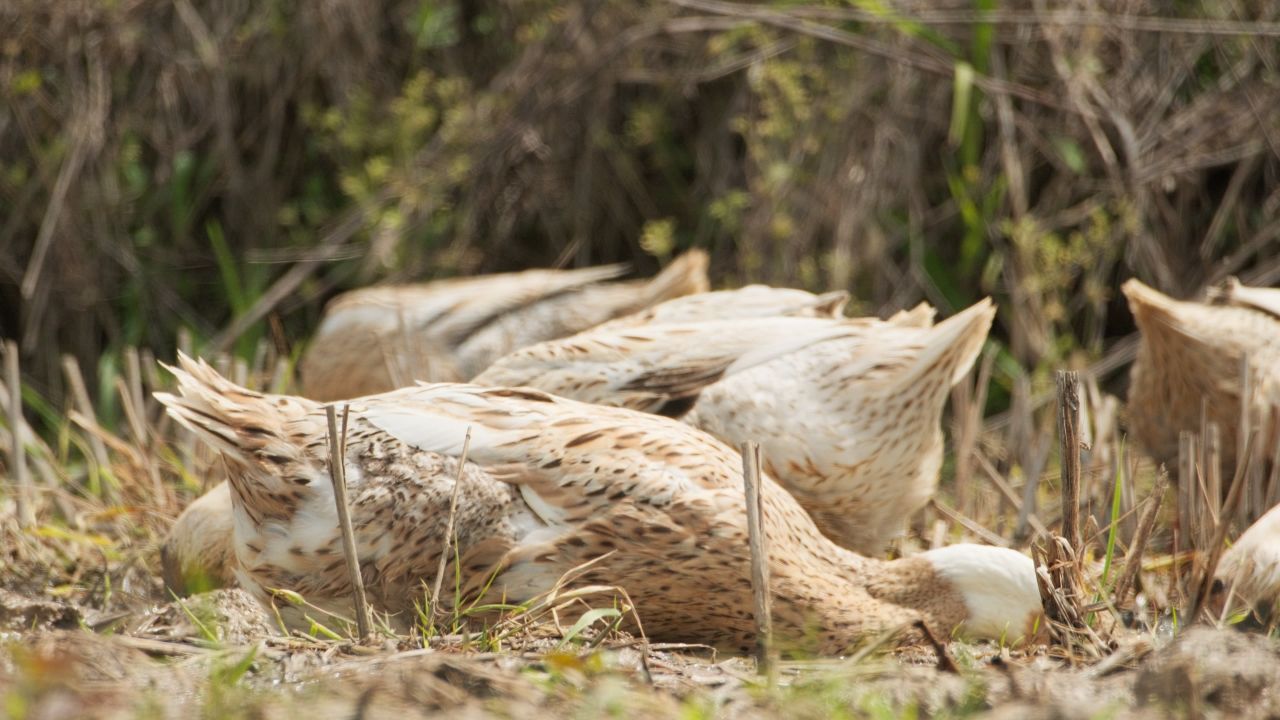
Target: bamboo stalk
{"type": "Point", "coordinates": [338, 476]}
{"type": "Point", "coordinates": [759, 560]}
{"type": "Point", "coordinates": [23, 496]}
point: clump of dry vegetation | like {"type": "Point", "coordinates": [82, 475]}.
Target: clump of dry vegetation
{"type": "Point", "coordinates": [204, 174]}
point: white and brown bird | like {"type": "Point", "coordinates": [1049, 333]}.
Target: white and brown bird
{"type": "Point", "coordinates": [380, 338]}
{"type": "Point", "coordinates": [751, 301]}
{"type": "Point", "coordinates": [197, 554]}
{"type": "Point", "coordinates": [550, 484]}
{"type": "Point", "coordinates": [1190, 358]}
{"type": "Point", "coordinates": [848, 412]}
{"type": "Point", "coordinates": [1249, 570]}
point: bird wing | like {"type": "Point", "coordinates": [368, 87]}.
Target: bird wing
{"type": "Point", "coordinates": [653, 368]}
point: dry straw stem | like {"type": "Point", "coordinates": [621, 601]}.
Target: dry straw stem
{"type": "Point", "coordinates": [449, 539]}
{"type": "Point", "coordinates": [17, 455]}
{"type": "Point", "coordinates": [1015, 502]}
{"type": "Point", "coordinates": [1220, 531]}
{"type": "Point", "coordinates": [338, 475]}
{"type": "Point", "coordinates": [1060, 571]}
{"type": "Point", "coordinates": [1133, 560]}
{"type": "Point", "coordinates": [759, 560]}
{"type": "Point", "coordinates": [80, 396]}
{"type": "Point", "coordinates": [1069, 432]}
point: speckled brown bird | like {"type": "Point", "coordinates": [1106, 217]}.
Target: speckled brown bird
{"type": "Point", "coordinates": [1249, 571]}
{"type": "Point", "coordinates": [1190, 353]}
{"type": "Point", "coordinates": [848, 412]}
{"type": "Point", "coordinates": [380, 338]}
{"type": "Point", "coordinates": [197, 554]}
{"type": "Point", "coordinates": [552, 484]}
{"type": "Point", "coordinates": [752, 301]}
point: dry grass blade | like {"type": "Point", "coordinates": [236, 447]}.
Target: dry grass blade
{"type": "Point", "coordinates": [337, 475]}
{"type": "Point", "coordinates": [759, 560]}
{"type": "Point", "coordinates": [23, 496]}
{"type": "Point", "coordinates": [1133, 560]}
{"type": "Point", "coordinates": [1007, 492]}
{"type": "Point", "coordinates": [450, 529]}
{"type": "Point", "coordinates": [80, 396]}
{"type": "Point", "coordinates": [969, 524]}
{"type": "Point", "coordinates": [1205, 584]}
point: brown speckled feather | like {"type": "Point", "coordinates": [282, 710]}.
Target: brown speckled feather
{"type": "Point", "coordinates": [553, 483]}
{"type": "Point", "coordinates": [1191, 352]}
{"type": "Point", "coordinates": [848, 411]}
{"type": "Point", "coordinates": [380, 338]}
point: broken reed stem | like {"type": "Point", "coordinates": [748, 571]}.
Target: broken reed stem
{"type": "Point", "coordinates": [752, 490]}
{"type": "Point", "coordinates": [80, 396]}
{"type": "Point", "coordinates": [338, 476]}
{"type": "Point", "coordinates": [1133, 560]}
{"type": "Point", "coordinates": [450, 528]}
{"type": "Point", "coordinates": [1213, 473]}
{"type": "Point", "coordinates": [1069, 432]}
{"type": "Point", "coordinates": [1186, 490]}
{"type": "Point", "coordinates": [1220, 532]}
{"type": "Point", "coordinates": [23, 497]}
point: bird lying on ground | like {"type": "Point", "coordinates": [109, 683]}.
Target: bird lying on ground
{"type": "Point", "coordinates": [848, 412]}
{"type": "Point", "coordinates": [380, 338]}
{"type": "Point", "coordinates": [655, 507]}
{"type": "Point", "coordinates": [751, 301]}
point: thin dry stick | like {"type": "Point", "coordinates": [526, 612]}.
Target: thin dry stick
{"type": "Point", "coordinates": [23, 498]}
{"type": "Point", "coordinates": [338, 476]}
{"type": "Point", "coordinates": [1252, 505]}
{"type": "Point", "coordinates": [759, 560]}
{"type": "Point", "coordinates": [968, 523]}
{"type": "Point", "coordinates": [1133, 559]}
{"type": "Point", "coordinates": [1069, 432]}
{"type": "Point", "coordinates": [1220, 532]}
{"type": "Point", "coordinates": [450, 528]}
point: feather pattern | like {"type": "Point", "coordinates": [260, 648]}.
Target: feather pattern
{"type": "Point", "coordinates": [1190, 353]}
{"type": "Point", "coordinates": [376, 339]}
{"type": "Point", "coordinates": [847, 411]}
{"type": "Point", "coordinates": [551, 484]}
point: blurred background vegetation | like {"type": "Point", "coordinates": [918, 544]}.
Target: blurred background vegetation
{"type": "Point", "coordinates": [225, 166]}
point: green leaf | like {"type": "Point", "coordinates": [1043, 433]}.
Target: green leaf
{"type": "Point", "coordinates": [587, 619]}
{"type": "Point", "coordinates": [961, 96]}
{"type": "Point", "coordinates": [1070, 153]}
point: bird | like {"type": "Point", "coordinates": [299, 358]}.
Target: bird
{"type": "Point", "coordinates": [750, 301]}
{"type": "Point", "coordinates": [1250, 569]}
{"type": "Point", "coordinates": [379, 338]}
{"type": "Point", "coordinates": [556, 491]}
{"type": "Point", "coordinates": [848, 412]}
{"type": "Point", "coordinates": [1189, 360]}
{"type": "Point", "coordinates": [197, 554]}
{"type": "Point", "coordinates": [658, 368]}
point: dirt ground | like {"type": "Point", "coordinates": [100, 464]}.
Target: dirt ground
{"type": "Point", "coordinates": [218, 655]}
